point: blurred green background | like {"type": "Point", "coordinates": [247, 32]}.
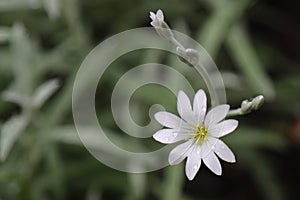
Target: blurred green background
{"type": "Point", "coordinates": [255, 44]}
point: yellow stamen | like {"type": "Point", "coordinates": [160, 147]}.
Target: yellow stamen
{"type": "Point", "coordinates": [201, 134]}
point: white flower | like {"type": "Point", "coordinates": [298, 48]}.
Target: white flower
{"type": "Point", "coordinates": [157, 19]}
{"type": "Point", "coordinates": [160, 25]}
{"type": "Point", "coordinates": [200, 131]}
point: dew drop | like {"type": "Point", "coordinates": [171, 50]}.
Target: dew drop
{"type": "Point", "coordinates": [203, 108]}
{"type": "Point", "coordinates": [217, 152]}
{"type": "Point", "coordinates": [222, 146]}
{"type": "Point", "coordinates": [198, 152]}
{"type": "Point", "coordinates": [213, 147]}
{"type": "Point", "coordinates": [167, 139]}
{"type": "Point", "coordinates": [174, 134]}
{"type": "Point", "coordinates": [195, 167]}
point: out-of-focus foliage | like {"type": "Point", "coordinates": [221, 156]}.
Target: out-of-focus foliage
{"type": "Point", "coordinates": [42, 44]}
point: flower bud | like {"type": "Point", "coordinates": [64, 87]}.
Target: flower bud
{"type": "Point", "coordinates": [257, 102]}
{"type": "Point", "coordinates": [192, 56]}
{"type": "Point", "coordinates": [246, 107]}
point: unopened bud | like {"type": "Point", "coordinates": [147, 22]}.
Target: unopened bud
{"type": "Point", "coordinates": [246, 107]}
{"type": "Point", "coordinates": [257, 102]}
{"type": "Point", "coordinates": [192, 56]}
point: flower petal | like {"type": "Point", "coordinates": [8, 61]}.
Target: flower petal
{"type": "Point", "coordinates": [206, 148]}
{"type": "Point", "coordinates": [216, 114]}
{"type": "Point", "coordinates": [170, 120]}
{"type": "Point", "coordinates": [180, 152]}
{"type": "Point", "coordinates": [160, 15]}
{"type": "Point", "coordinates": [199, 106]}
{"type": "Point", "coordinates": [168, 136]}
{"type": "Point", "coordinates": [223, 151]}
{"type": "Point", "coordinates": [193, 162]}
{"type": "Point", "coordinates": [152, 16]}
{"type": "Point", "coordinates": [213, 163]}
{"type": "Point", "coordinates": [185, 109]}
{"type": "Point", "coordinates": [223, 128]}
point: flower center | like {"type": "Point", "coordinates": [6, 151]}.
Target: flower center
{"type": "Point", "coordinates": [200, 134]}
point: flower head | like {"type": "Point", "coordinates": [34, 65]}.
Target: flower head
{"type": "Point", "coordinates": [160, 25]}
{"type": "Point", "coordinates": [157, 18]}
{"type": "Point", "coordinates": [200, 131]}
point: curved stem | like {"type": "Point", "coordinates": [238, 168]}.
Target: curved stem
{"type": "Point", "coordinates": [164, 28]}
{"type": "Point", "coordinates": [213, 94]}
{"type": "Point", "coordinates": [203, 72]}
{"type": "Point", "coordinates": [176, 43]}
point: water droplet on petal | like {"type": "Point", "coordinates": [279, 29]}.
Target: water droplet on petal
{"type": "Point", "coordinates": [167, 139]}
{"type": "Point", "coordinates": [198, 152]}
{"type": "Point", "coordinates": [203, 108]}
{"type": "Point", "coordinates": [213, 147]}
{"type": "Point", "coordinates": [174, 134]}
{"type": "Point", "coordinates": [195, 167]}
{"type": "Point", "coordinates": [222, 146]}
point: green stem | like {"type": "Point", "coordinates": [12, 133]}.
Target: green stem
{"type": "Point", "coordinates": [234, 112]}
{"type": "Point", "coordinates": [213, 94]}
{"type": "Point", "coordinates": [173, 182]}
